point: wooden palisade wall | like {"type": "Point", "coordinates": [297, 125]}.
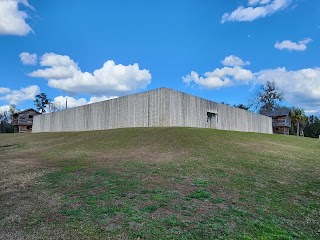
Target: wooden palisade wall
{"type": "Point", "coordinates": [161, 107]}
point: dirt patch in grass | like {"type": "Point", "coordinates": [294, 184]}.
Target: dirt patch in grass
{"type": "Point", "coordinates": [20, 204]}
{"type": "Point", "coordinates": [19, 181]}
{"type": "Point", "coordinates": [18, 173]}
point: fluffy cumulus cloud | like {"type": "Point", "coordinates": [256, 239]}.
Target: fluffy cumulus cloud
{"type": "Point", "coordinates": [4, 90]}
{"type": "Point", "coordinates": [12, 20]}
{"type": "Point", "coordinates": [231, 74]}
{"type": "Point", "coordinates": [28, 59]}
{"type": "Point", "coordinates": [52, 59]}
{"type": "Point", "coordinates": [232, 61]}
{"type": "Point", "coordinates": [255, 9]}
{"type": "Point", "coordinates": [101, 98]}
{"type": "Point", "coordinates": [301, 88]}
{"type": "Point", "coordinates": [293, 46]}
{"type": "Point", "coordinates": [110, 80]}
{"type": "Point", "coordinates": [60, 101]}
{"type": "Point", "coordinates": [18, 96]}
{"type": "Point", "coordinates": [4, 108]}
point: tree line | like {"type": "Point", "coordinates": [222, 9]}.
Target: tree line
{"type": "Point", "coordinates": [269, 98]}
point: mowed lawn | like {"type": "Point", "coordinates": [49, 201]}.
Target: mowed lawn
{"type": "Point", "coordinates": [159, 183]}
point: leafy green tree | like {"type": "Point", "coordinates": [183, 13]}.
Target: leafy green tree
{"type": "Point", "coordinates": [41, 102]}
{"type": "Point", "coordinates": [298, 118]}
{"type": "Point", "coordinates": [12, 110]}
{"type": "Point", "coordinates": [55, 107]}
{"type": "Point", "coordinates": [225, 103]}
{"type": "Point", "coordinates": [242, 106]}
{"type": "Point", "coordinates": [5, 122]}
{"type": "Point", "coordinates": [268, 97]}
{"type": "Point", "coordinates": [312, 128]}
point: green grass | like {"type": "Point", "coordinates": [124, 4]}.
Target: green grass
{"type": "Point", "coordinates": [200, 194]}
{"type": "Point", "coordinates": [159, 183]}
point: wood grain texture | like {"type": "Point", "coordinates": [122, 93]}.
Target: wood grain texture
{"type": "Point", "coordinates": [161, 107]}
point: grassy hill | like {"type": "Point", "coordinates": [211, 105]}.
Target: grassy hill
{"type": "Point", "coordinates": [159, 183]}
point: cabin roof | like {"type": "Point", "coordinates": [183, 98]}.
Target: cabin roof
{"type": "Point", "coordinates": [26, 110]}
{"type": "Point", "coordinates": [276, 113]}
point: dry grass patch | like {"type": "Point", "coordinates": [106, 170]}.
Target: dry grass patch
{"type": "Point", "coordinates": [158, 183]}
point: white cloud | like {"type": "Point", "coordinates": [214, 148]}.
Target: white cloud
{"type": "Point", "coordinates": [56, 73]}
{"type": "Point", "coordinates": [232, 61]}
{"type": "Point", "coordinates": [28, 59]}
{"type": "Point", "coordinates": [4, 90]}
{"type": "Point", "coordinates": [52, 59]}
{"type": "Point", "coordinates": [4, 108]}
{"type": "Point", "coordinates": [60, 101]}
{"type": "Point", "coordinates": [18, 96]}
{"type": "Point", "coordinates": [12, 21]}
{"type": "Point", "coordinates": [101, 98]}
{"type": "Point", "coordinates": [255, 9]}
{"type": "Point", "coordinates": [110, 80]}
{"type": "Point", "coordinates": [209, 81]}
{"type": "Point", "coordinates": [293, 46]}
{"type": "Point", "coordinates": [301, 88]}
{"type": "Point", "coordinates": [220, 77]}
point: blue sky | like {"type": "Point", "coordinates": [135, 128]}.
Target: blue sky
{"type": "Point", "coordinates": [219, 50]}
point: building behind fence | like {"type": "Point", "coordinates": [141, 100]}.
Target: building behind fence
{"type": "Point", "coordinates": [161, 107]}
{"type": "Point", "coordinates": [23, 120]}
{"type": "Point", "coordinates": [281, 120]}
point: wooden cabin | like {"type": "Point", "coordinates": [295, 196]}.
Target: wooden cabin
{"type": "Point", "coordinates": [281, 120]}
{"type": "Point", "coordinates": [23, 120]}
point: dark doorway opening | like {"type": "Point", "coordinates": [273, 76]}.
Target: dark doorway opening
{"type": "Point", "coordinates": [212, 120]}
